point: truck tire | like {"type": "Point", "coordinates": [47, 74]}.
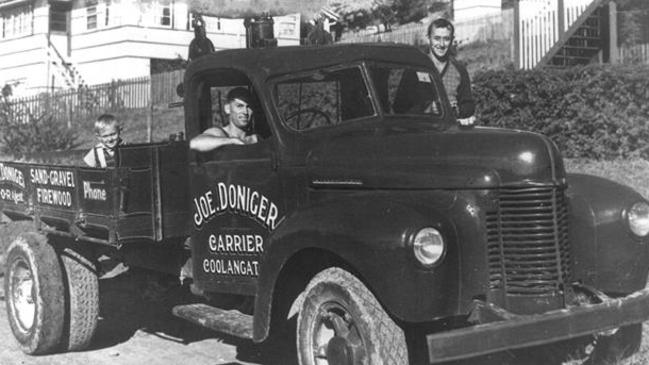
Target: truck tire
{"type": "Point", "coordinates": [610, 349]}
{"type": "Point", "coordinates": [341, 322]}
{"type": "Point", "coordinates": [35, 294]}
{"type": "Point", "coordinates": [82, 300]}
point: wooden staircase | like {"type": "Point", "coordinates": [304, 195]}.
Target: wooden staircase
{"type": "Point", "coordinates": [563, 33]}
{"type": "Point", "coordinates": [71, 77]}
{"type": "Point", "coordinates": [65, 69]}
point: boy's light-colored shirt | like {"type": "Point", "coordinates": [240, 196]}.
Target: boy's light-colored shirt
{"type": "Point", "coordinates": [99, 156]}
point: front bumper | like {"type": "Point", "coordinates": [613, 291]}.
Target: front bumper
{"type": "Point", "coordinates": [530, 330]}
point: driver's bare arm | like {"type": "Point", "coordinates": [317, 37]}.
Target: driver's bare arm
{"type": "Point", "coordinates": [211, 139]}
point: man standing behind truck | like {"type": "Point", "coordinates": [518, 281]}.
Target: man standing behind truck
{"type": "Point", "coordinates": [454, 75]}
{"type": "Point", "coordinates": [200, 45]}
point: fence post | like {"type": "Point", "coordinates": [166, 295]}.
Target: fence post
{"type": "Point", "coordinates": [149, 123]}
{"type": "Point", "coordinates": [516, 45]}
{"type": "Point", "coordinates": [68, 105]}
{"type": "Point", "coordinates": [561, 18]}
{"type": "Point", "coordinates": [612, 35]}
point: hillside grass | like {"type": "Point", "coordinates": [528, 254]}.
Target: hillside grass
{"type": "Point", "coordinates": [631, 172]}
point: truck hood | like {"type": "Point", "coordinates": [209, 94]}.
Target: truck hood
{"type": "Point", "coordinates": [399, 158]}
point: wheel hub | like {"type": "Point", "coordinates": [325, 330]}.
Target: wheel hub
{"type": "Point", "coordinates": [340, 352]}
{"type": "Point", "coordinates": [337, 339]}
{"type": "Point", "coordinates": [21, 286]}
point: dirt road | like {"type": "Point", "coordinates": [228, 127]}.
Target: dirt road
{"type": "Point", "coordinates": [134, 331]}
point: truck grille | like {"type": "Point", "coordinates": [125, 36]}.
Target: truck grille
{"type": "Point", "coordinates": [527, 242]}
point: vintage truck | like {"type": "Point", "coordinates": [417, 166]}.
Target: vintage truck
{"type": "Point", "coordinates": [365, 212]}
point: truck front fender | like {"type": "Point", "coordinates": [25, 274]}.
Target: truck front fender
{"type": "Point", "coordinates": [369, 234]}
{"type": "Point", "coordinates": [606, 254]}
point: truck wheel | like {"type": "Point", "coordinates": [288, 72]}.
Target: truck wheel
{"type": "Point", "coordinates": [341, 322]}
{"type": "Point", "coordinates": [83, 300]}
{"type": "Point", "coordinates": [613, 348]}
{"type": "Point", "coordinates": [34, 294]}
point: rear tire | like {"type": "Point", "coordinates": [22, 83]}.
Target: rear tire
{"type": "Point", "coordinates": [341, 322]}
{"type": "Point", "coordinates": [82, 299]}
{"type": "Point", "coordinates": [35, 294]}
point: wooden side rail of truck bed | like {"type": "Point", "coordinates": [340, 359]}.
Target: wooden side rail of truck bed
{"type": "Point", "coordinates": [145, 197]}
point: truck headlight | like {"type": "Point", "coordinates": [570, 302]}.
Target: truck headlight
{"type": "Point", "coordinates": [428, 246]}
{"type": "Point", "coordinates": [638, 218]}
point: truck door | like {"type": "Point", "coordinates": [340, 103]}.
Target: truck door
{"type": "Point", "coordinates": [236, 204]}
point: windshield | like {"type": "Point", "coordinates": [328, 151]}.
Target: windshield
{"type": "Point", "coordinates": [329, 97]}
{"type": "Point", "coordinates": [323, 98]}
{"type": "Point", "coordinates": [403, 90]}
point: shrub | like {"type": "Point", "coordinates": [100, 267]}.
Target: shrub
{"type": "Point", "coordinates": [22, 133]}
{"type": "Point", "coordinates": [598, 111]}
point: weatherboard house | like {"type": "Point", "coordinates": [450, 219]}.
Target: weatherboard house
{"type": "Point", "coordinates": [57, 44]}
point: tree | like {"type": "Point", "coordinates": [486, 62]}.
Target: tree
{"type": "Point", "coordinates": [361, 13]}
{"type": "Point", "coordinates": [407, 11]}
{"type": "Point", "coordinates": [246, 8]}
{"type": "Point", "coordinates": [7, 91]}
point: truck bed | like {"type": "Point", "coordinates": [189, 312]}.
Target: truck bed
{"type": "Point", "coordinates": [145, 197]}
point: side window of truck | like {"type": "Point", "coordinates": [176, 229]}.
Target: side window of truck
{"type": "Point", "coordinates": [213, 114]}
{"type": "Point", "coordinates": [323, 98]}
{"type": "Point", "coordinates": [406, 91]}
{"type": "Point", "coordinates": [212, 94]}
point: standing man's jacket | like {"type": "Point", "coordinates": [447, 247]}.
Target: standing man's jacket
{"type": "Point", "coordinates": [458, 87]}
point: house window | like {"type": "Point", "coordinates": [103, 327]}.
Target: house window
{"type": "Point", "coordinates": [163, 13]}
{"type": "Point", "coordinates": [91, 14]}
{"type": "Point", "coordinates": [166, 16]}
{"type": "Point", "coordinates": [58, 18]}
{"type": "Point", "coordinates": [16, 22]}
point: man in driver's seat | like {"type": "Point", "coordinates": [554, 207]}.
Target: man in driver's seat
{"type": "Point", "coordinates": [235, 131]}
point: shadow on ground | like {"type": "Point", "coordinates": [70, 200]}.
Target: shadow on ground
{"type": "Point", "coordinates": [138, 300]}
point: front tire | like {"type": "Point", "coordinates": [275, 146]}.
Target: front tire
{"type": "Point", "coordinates": [341, 322]}
{"type": "Point", "coordinates": [35, 294]}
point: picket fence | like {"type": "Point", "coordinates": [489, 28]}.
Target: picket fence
{"type": "Point", "coordinates": [482, 29]}
{"type": "Point", "coordinates": [634, 54]}
{"type": "Point", "coordinates": [89, 101]}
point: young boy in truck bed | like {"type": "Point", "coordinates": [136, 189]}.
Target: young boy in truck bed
{"type": "Point", "coordinates": [107, 130]}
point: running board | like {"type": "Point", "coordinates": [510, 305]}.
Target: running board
{"type": "Point", "coordinates": [231, 322]}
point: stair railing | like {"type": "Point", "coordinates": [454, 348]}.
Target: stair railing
{"type": "Point", "coordinates": [69, 73]}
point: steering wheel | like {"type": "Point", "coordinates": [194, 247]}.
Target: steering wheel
{"type": "Point", "coordinates": [316, 115]}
